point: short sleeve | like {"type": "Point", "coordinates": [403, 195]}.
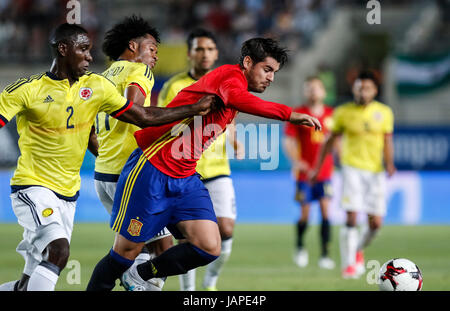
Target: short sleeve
{"type": "Point", "coordinates": [113, 102]}
{"type": "Point", "coordinates": [337, 124]}
{"type": "Point", "coordinates": [142, 78]}
{"type": "Point", "coordinates": [12, 101]}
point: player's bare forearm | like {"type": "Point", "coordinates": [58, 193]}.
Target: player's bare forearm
{"type": "Point", "coordinates": [326, 148]}
{"type": "Point", "coordinates": [154, 116]}
{"type": "Point", "coordinates": [238, 147]}
{"type": "Point", "coordinates": [93, 143]}
{"type": "Point", "coordinates": [389, 154]}
{"type": "Point", "coordinates": [291, 148]}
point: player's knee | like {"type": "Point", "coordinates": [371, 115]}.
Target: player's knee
{"type": "Point", "coordinates": [375, 225]}
{"type": "Point", "coordinates": [211, 246]}
{"type": "Point", "coordinates": [304, 217]}
{"type": "Point", "coordinates": [226, 231]}
{"type": "Point", "coordinates": [58, 252]}
{"type": "Point", "coordinates": [351, 219]}
{"type": "Point", "coordinates": [226, 227]}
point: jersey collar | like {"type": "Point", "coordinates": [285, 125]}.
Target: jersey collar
{"type": "Point", "coordinates": [53, 76]}
{"type": "Point", "coordinates": [191, 76]}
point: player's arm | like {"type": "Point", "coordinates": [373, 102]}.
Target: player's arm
{"type": "Point", "coordinates": [136, 94]}
{"type": "Point", "coordinates": [293, 152]}
{"type": "Point", "coordinates": [236, 96]}
{"type": "Point", "coordinates": [305, 119]}
{"type": "Point", "coordinates": [388, 153]}
{"type": "Point", "coordinates": [93, 143]}
{"type": "Point", "coordinates": [113, 104]}
{"type": "Point", "coordinates": [12, 101]}
{"type": "Point", "coordinates": [153, 116]}
{"type": "Point", "coordinates": [239, 150]}
{"type": "Point", "coordinates": [326, 148]}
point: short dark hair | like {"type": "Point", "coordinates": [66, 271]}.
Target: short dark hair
{"type": "Point", "coordinates": [197, 33]}
{"type": "Point", "coordinates": [64, 33]}
{"type": "Point", "coordinates": [260, 48]}
{"type": "Point", "coordinates": [117, 38]}
{"type": "Point", "coordinates": [368, 75]}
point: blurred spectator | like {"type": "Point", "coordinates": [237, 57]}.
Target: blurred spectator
{"type": "Point", "coordinates": [25, 24]}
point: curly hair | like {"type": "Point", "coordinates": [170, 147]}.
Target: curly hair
{"type": "Point", "coordinates": [117, 38]}
{"type": "Point", "coordinates": [260, 48]}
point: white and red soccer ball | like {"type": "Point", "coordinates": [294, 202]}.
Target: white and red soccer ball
{"type": "Point", "coordinates": [400, 274]}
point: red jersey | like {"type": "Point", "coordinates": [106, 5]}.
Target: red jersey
{"type": "Point", "coordinates": [175, 148]}
{"type": "Point", "coordinates": [310, 142]}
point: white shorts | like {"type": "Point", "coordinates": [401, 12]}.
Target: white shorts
{"type": "Point", "coordinates": [222, 195]}
{"type": "Point", "coordinates": [106, 190]}
{"type": "Point", "coordinates": [45, 218]}
{"type": "Point", "coordinates": [363, 191]}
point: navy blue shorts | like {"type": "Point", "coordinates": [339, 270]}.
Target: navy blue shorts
{"type": "Point", "coordinates": [148, 200]}
{"type": "Point", "coordinates": [307, 193]}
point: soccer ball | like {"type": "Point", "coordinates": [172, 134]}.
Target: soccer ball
{"type": "Point", "coordinates": [400, 274]}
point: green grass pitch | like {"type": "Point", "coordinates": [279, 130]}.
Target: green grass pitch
{"type": "Point", "coordinates": [261, 258]}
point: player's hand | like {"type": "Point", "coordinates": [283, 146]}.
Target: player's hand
{"type": "Point", "coordinates": [299, 167]}
{"type": "Point", "coordinates": [204, 105]}
{"type": "Point", "coordinates": [239, 150]}
{"type": "Point", "coordinates": [312, 176]}
{"type": "Point", "coordinates": [390, 169]}
{"type": "Point", "coordinates": [305, 119]}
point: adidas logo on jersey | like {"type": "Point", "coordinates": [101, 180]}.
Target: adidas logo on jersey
{"type": "Point", "coordinates": [49, 99]}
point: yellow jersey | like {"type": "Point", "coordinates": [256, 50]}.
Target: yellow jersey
{"type": "Point", "coordinates": [214, 160]}
{"type": "Point", "coordinates": [363, 129]}
{"type": "Point", "coordinates": [115, 138]}
{"type": "Point", "coordinates": [54, 121]}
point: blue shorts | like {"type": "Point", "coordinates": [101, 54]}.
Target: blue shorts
{"type": "Point", "coordinates": [147, 200]}
{"type": "Point", "coordinates": [307, 193]}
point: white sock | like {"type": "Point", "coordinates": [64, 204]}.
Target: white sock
{"type": "Point", "coordinates": [366, 238]}
{"type": "Point", "coordinates": [348, 245]}
{"type": "Point", "coordinates": [187, 281]}
{"type": "Point", "coordinates": [142, 257]}
{"type": "Point", "coordinates": [154, 284]}
{"type": "Point", "coordinates": [213, 269]}
{"type": "Point", "coordinates": [44, 277]}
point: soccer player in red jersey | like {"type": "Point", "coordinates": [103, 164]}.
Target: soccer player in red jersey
{"type": "Point", "coordinates": [159, 186]}
{"type": "Point", "coordinates": [302, 146]}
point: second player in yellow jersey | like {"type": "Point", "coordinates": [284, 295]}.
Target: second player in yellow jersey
{"type": "Point", "coordinates": [364, 129]}
{"type": "Point", "coordinates": [367, 154]}
{"type": "Point", "coordinates": [115, 138]}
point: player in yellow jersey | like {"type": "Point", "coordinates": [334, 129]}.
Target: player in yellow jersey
{"type": "Point", "coordinates": [132, 45]}
{"type": "Point", "coordinates": [367, 154]}
{"type": "Point", "coordinates": [55, 111]}
{"type": "Point", "coordinates": [213, 166]}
